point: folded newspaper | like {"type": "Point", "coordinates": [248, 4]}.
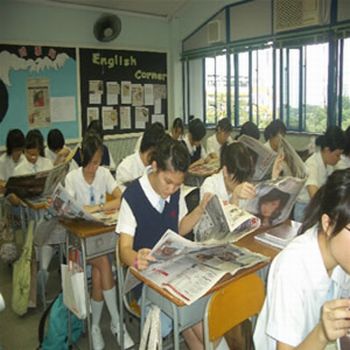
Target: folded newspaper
{"type": "Point", "coordinates": [262, 156]}
{"type": "Point", "coordinates": [187, 269]}
{"type": "Point", "coordinates": [224, 222]}
{"type": "Point", "coordinates": [64, 205]}
{"type": "Point", "coordinates": [274, 199]}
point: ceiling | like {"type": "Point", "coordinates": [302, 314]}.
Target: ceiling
{"type": "Point", "coordinates": [166, 9]}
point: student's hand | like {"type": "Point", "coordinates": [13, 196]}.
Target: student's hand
{"type": "Point", "coordinates": [278, 165]}
{"type": "Point", "coordinates": [61, 155]}
{"type": "Point", "coordinates": [245, 190]}
{"type": "Point", "coordinates": [204, 202]}
{"type": "Point", "coordinates": [143, 258]}
{"type": "Point", "coordinates": [335, 319]}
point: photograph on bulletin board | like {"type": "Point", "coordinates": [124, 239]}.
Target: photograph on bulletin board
{"type": "Point", "coordinates": [38, 86]}
{"type": "Point", "coordinates": [125, 90]}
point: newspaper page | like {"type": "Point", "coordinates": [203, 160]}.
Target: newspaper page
{"type": "Point", "coordinates": [64, 205]}
{"type": "Point", "coordinates": [224, 222]}
{"type": "Point", "coordinates": [188, 269]}
{"type": "Point", "coordinates": [293, 164]}
{"type": "Point", "coordinates": [274, 199]}
{"type": "Point", "coordinates": [263, 157]}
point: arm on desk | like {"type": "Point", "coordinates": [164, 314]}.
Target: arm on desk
{"type": "Point", "coordinates": [110, 205]}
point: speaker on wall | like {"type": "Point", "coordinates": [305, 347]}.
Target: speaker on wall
{"type": "Point", "coordinates": [107, 28]}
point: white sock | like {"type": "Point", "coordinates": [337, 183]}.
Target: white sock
{"type": "Point", "coordinates": [111, 301]}
{"type": "Point", "coordinates": [96, 308]}
{"type": "Point", "coordinates": [222, 345]}
{"type": "Point", "coordinates": [46, 252]}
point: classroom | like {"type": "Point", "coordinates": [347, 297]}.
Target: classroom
{"type": "Point", "coordinates": [258, 94]}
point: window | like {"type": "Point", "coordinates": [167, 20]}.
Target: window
{"type": "Point", "coordinates": [345, 87]}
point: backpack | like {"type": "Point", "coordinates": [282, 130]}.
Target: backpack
{"type": "Point", "coordinates": [56, 337]}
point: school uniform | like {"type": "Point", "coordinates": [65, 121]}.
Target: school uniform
{"type": "Point", "coordinates": [90, 194]}
{"type": "Point", "coordinates": [343, 163]}
{"type": "Point", "coordinates": [196, 152]}
{"type": "Point", "coordinates": [216, 184]}
{"type": "Point", "coordinates": [318, 173]}
{"type": "Point", "coordinates": [107, 159]}
{"type": "Point", "coordinates": [7, 166]}
{"type": "Point", "coordinates": [26, 168]}
{"type": "Point", "coordinates": [298, 285]}
{"type": "Point", "coordinates": [213, 146]}
{"type": "Point", "coordinates": [130, 168]}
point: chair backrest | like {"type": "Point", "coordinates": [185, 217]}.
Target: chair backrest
{"type": "Point", "coordinates": [231, 305]}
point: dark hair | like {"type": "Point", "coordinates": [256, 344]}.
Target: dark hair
{"type": "Point", "coordinates": [347, 141]}
{"type": "Point", "coordinates": [151, 136]}
{"type": "Point", "coordinates": [96, 126]}
{"type": "Point", "coordinates": [197, 129]}
{"type": "Point", "coordinates": [171, 154]}
{"type": "Point", "coordinates": [249, 129]}
{"type": "Point", "coordinates": [274, 194]}
{"type": "Point", "coordinates": [55, 140]}
{"type": "Point", "coordinates": [333, 138]}
{"type": "Point", "coordinates": [190, 118]}
{"type": "Point", "coordinates": [274, 128]}
{"type": "Point", "coordinates": [178, 124]}
{"type": "Point", "coordinates": [92, 142]}
{"type": "Point", "coordinates": [333, 199]}
{"type": "Point", "coordinates": [237, 159]}
{"type": "Point", "coordinates": [35, 139]}
{"type": "Point", "coordinates": [224, 124]}
{"type": "Point", "coordinates": [15, 139]}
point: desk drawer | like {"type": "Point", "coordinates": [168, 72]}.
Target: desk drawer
{"type": "Point", "coordinates": [103, 243]}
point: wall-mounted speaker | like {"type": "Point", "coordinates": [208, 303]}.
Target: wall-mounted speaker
{"type": "Point", "coordinates": [107, 28]}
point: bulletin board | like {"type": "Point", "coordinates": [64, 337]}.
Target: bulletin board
{"type": "Point", "coordinates": [38, 89]}
{"type": "Point", "coordinates": [125, 90]}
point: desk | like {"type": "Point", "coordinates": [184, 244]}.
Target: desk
{"type": "Point", "coordinates": [187, 315]}
{"type": "Point", "coordinates": [93, 240]}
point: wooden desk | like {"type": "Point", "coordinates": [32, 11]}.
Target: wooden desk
{"type": "Point", "coordinates": [93, 240]}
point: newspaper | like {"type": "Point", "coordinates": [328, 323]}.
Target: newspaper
{"type": "Point", "coordinates": [293, 164]}
{"type": "Point", "coordinates": [280, 235]}
{"type": "Point", "coordinates": [262, 156]}
{"type": "Point", "coordinates": [274, 199]}
{"type": "Point", "coordinates": [224, 222]}
{"type": "Point", "coordinates": [187, 269]}
{"type": "Point", "coordinates": [64, 205]}
{"type": "Point", "coordinates": [197, 173]}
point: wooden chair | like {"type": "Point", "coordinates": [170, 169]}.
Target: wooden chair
{"type": "Point", "coordinates": [231, 305]}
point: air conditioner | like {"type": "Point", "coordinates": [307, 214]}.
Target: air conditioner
{"type": "Point", "coordinates": [215, 33]}
{"type": "Point", "coordinates": [295, 14]}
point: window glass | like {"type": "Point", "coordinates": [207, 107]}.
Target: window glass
{"type": "Point", "coordinates": [346, 85]}
{"type": "Point", "coordinates": [243, 87]}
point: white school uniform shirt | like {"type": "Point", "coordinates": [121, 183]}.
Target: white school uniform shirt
{"type": "Point", "coordinates": [191, 149]}
{"type": "Point", "coordinates": [213, 146]}
{"type": "Point", "coordinates": [83, 192]}
{"type": "Point", "coordinates": [298, 285]}
{"type": "Point", "coordinates": [26, 168]}
{"type": "Point", "coordinates": [7, 166]}
{"type": "Point", "coordinates": [126, 219]}
{"type": "Point", "coordinates": [129, 169]}
{"type": "Point", "coordinates": [317, 172]}
{"type": "Point", "coordinates": [215, 184]}
{"type": "Point", "coordinates": [343, 163]}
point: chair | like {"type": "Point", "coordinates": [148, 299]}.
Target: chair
{"type": "Point", "coordinates": [231, 305]}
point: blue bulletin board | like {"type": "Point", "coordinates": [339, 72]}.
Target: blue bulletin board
{"type": "Point", "coordinates": [38, 89]}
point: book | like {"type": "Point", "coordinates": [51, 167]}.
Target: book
{"type": "Point", "coordinates": [263, 157]}
{"type": "Point", "coordinates": [274, 199]}
{"type": "Point", "coordinates": [65, 206]}
{"type": "Point", "coordinates": [225, 222]}
{"type": "Point", "coordinates": [188, 269]}
{"type": "Point", "coordinates": [280, 235]}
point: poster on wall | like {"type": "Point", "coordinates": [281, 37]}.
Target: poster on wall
{"type": "Point", "coordinates": [38, 86]}
{"type": "Point", "coordinates": [126, 87]}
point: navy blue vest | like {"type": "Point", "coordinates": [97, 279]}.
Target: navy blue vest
{"type": "Point", "coordinates": [196, 154]}
{"type": "Point", "coordinates": [150, 223]}
{"type": "Point", "coordinates": [105, 156]}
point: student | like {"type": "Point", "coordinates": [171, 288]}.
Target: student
{"type": "Point", "coordinates": [134, 165]}
{"type": "Point", "coordinates": [193, 139]}
{"type": "Point", "coordinates": [231, 182]}
{"type": "Point", "coordinates": [304, 308]}
{"type": "Point", "coordinates": [107, 159]}
{"type": "Point", "coordinates": [15, 141]}
{"type": "Point", "coordinates": [177, 130]}
{"type": "Point", "coordinates": [344, 161]}
{"type": "Point", "coordinates": [319, 166]}
{"type": "Point", "coordinates": [150, 206]}
{"type": "Point", "coordinates": [249, 129]}
{"type": "Point", "coordinates": [222, 135]}
{"type": "Point", "coordinates": [273, 133]}
{"type": "Point", "coordinates": [89, 185]}
{"type": "Point", "coordinates": [56, 150]}
{"type": "Point", "coordinates": [158, 125]}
